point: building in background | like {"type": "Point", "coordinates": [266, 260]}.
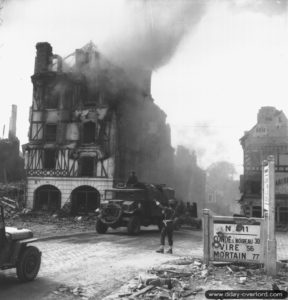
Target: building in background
{"type": "Point", "coordinates": [11, 162]}
{"type": "Point", "coordinates": [222, 190]}
{"type": "Point", "coordinates": [189, 179]}
{"type": "Point", "coordinates": [91, 124]}
{"type": "Point", "coordinates": [223, 200]}
{"type": "Point", "coordinates": [268, 137]}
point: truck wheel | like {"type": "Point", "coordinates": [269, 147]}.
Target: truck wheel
{"type": "Point", "coordinates": [134, 225]}
{"type": "Point", "coordinates": [28, 264]}
{"type": "Point", "coordinates": [101, 227]}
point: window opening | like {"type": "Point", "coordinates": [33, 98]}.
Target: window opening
{"type": "Point", "coordinates": [87, 166]}
{"type": "Point", "coordinates": [256, 211]}
{"type": "Point", "coordinates": [89, 131]}
{"type": "Point", "coordinates": [51, 98]}
{"type": "Point", "coordinates": [49, 159]}
{"type": "Point", "coordinates": [50, 132]}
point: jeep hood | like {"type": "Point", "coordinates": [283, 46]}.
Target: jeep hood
{"type": "Point", "coordinates": [18, 234]}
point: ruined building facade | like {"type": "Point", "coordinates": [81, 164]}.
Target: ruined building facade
{"type": "Point", "coordinates": [91, 123]}
{"type": "Point", "coordinates": [11, 163]}
{"type": "Point", "coordinates": [268, 137]}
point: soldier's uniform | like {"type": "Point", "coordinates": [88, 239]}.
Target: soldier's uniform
{"type": "Point", "coordinates": [167, 228]}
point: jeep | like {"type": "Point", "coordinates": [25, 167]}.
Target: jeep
{"type": "Point", "coordinates": [16, 252]}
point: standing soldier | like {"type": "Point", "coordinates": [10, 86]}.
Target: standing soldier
{"type": "Point", "coordinates": [167, 228]}
{"type": "Point", "coordinates": [132, 179]}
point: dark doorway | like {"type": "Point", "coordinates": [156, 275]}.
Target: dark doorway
{"type": "Point", "coordinates": [256, 211]}
{"type": "Point", "coordinates": [89, 131]}
{"type": "Point", "coordinates": [85, 199]}
{"type": "Point", "coordinates": [283, 215]}
{"type": "Point", "coordinates": [48, 198]}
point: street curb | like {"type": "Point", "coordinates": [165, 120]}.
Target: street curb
{"type": "Point", "coordinates": [62, 236]}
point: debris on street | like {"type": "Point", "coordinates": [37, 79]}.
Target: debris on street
{"type": "Point", "coordinates": [47, 225]}
{"type": "Point", "coordinates": [12, 198]}
{"type": "Point", "coordinates": [75, 292]}
{"type": "Point", "coordinates": [11, 207]}
{"type": "Point", "coordinates": [189, 277]}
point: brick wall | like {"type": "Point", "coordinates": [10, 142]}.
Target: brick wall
{"type": "Point", "coordinates": [65, 185]}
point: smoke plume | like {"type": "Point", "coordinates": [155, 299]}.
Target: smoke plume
{"type": "Point", "coordinates": [154, 30]}
{"type": "Point", "coordinates": [269, 7]}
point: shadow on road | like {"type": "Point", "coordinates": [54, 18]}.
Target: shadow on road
{"type": "Point", "coordinates": [11, 288]}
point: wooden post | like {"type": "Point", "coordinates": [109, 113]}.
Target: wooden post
{"type": "Point", "coordinates": [206, 235]}
{"type": "Point", "coordinates": [271, 255]}
{"type": "Point", "coordinates": [265, 237]}
{"type": "Point", "coordinates": [264, 162]}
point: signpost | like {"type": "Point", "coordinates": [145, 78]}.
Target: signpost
{"type": "Point", "coordinates": [243, 239]}
{"type": "Point", "coordinates": [269, 208]}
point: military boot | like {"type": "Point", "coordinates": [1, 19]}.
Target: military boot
{"type": "Point", "coordinates": [160, 250]}
{"type": "Point", "coordinates": [169, 251]}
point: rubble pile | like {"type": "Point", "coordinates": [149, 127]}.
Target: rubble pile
{"type": "Point", "coordinates": [12, 198]}
{"type": "Point", "coordinates": [45, 225]}
{"type": "Point", "coordinates": [77, 292]}
{"type": "Point", "coordinates": [13, 190]}
{"type": "Point", "coordinates": [11, 207]}
{"type": "Point", "coordinates": [189, 278]}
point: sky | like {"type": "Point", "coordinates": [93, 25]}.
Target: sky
{"type": "Point", "coordinates": [214, 65]}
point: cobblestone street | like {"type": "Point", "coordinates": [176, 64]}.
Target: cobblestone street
{"type": "Point", "coordinates": [99, 263]}
{"type": "Point", "coordinates": [102, 263]}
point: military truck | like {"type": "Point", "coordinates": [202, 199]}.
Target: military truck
{"type": "Point", "coordinates": [16, 251]}
{"type": "Point", "coordinates": [132, 207]}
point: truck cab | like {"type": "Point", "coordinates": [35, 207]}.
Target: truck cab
{"type": "Point", "coordinates": [131, 207]}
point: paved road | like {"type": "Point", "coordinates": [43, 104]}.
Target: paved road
{"type": "Point", "coordinates": [99, 263]}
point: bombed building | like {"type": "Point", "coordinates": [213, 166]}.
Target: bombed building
{"type": "Point", "coordinates": [11, 163]}
{"type": "Point", "coordinates": [268, 137]}
{"type": "Point", "coordinates": [91, 124]}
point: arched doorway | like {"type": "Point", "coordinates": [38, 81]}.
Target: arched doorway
{"type": "Point", "coordinates": [47, 197]}
{"type": "Point", "coordinates": [84, 199]}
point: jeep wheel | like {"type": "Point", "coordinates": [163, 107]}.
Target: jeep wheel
{"type": "Point", "coordinates": [101, 227]}
{"type": "Point", "coordinates": [134, 225]}
{"type": "Point", "coordinates": [28, 264]}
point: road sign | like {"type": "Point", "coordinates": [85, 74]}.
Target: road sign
{"type": "Point", "coordinates": [237, 241]}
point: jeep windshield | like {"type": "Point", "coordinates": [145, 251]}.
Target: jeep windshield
{"type": "Point", "coordinates": [125, 194]}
